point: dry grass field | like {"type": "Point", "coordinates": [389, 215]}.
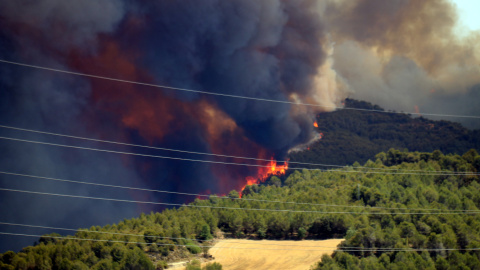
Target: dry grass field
{"type": "Point", "coordinates": [271, 255]}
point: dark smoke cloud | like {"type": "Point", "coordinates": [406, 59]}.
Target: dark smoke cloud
{"type": "Point", "coordinates": [263, 49]}
{"type": "Point", "coordinates": [37, 32]}
{"type": "Point", "coordinates": [41, 101]}
{"type": "Point", "coordinates": [62, 23]}
{"type": "Point", "coordinates": [269, 49]}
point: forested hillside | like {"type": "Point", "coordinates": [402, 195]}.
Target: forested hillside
{"type": "Point", "coordinates": [405, 210]}
{"type": "Point", "coordinates": [350, 135]}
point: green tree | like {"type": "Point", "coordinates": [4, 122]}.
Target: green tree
{"type": "Point", "coordinates": [194, 265]}
{"type": "Point", "coordinates": [194, 249]}
{"type": "Point", "coordinates": [302, 233]}
{"type": "Point", "coordinates": [274, 181]}
{"type": "Point", "coordinates": [234, 194]}
{"type": "Point", "coordinates": [213, 266]}
{"type": "Point", "coordinates": [205, 233]}
{"type": "Point", "coordinates": [150, 236]}
{"type": "Point", "coordinates": [136, 259]}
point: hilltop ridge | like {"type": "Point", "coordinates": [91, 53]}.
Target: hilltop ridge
{"type": "Point", "coordinates": [350, 136]}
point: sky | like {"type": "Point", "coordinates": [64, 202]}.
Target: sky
{"type": "Point", "coordinates": [402, 55]}
{"type": "Point", "coordinates": [468, 13]}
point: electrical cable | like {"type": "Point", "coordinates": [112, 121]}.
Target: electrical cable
{"type": "Point", "coordinates": [228, 163]}
{"type": "Point", "coordinates": [100, 232]}
{"type": "Point", "coordinates": [212, 154]}
{"type": "Point", "coordinates": [139, 235]}
{"type": "Point", "coordinates": [468, 212]}
{"type": "Point", "coordinates": [174, 238]}
{"type": "Point", "coordinates": [228, 95]}
{"type": "Point", "coordinates": [226, 197]}
{"type": "Point", "coordinates": [221, 162]}
{"type": "Point", "coordinates": [164, 244]}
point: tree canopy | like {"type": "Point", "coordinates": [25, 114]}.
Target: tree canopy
{"type": "Point", "coordinates": [403, 210]}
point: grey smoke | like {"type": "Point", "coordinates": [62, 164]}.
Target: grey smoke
{"type": "Point", "coordinates": [402, 54]}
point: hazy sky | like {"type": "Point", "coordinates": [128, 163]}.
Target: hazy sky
{"type": "Point", "coordinates": [468, 10]}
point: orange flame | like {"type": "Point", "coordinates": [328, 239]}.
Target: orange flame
{"type": "Point", "coordinates": [265, 172]}
{"type": "Point", "coordinates": [315, 124]}
{"type": "Point", "coordinates": [417, 110]}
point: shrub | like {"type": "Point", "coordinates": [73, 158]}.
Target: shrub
{"type": "Point", "coordinates": [194, 249]}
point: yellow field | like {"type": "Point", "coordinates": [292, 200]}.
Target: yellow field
{"type": "Point", "coordinates": [270, 254]}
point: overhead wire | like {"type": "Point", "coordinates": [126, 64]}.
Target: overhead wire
{"type": "Point", "coordinates": [466, 212]}
{"type": "Point", "coordinates": [163, 148]}
{"type": "Point", "coordinates": [202, 92]}
{"type": "Point", "coordinates": [139, 243]}
{"type": "Point", "coordinates": [245, 248]}
{"type": "Point", "coordinates": [217, 155]}
{"type": "Point", "coordinates": [99, 232]}
{"type": "Point", "coordinates": [139, 235]}
{"type": "Point", "coordinates": [227, 95]}
{"type": "Point", "coordinates": [356, 249]}
{"type": "Point", "coordinates": [179, 238]}
{"type": "Point", "coordinates": [226, 197]}
{"type": "Point", "coordinates": [446, 173]}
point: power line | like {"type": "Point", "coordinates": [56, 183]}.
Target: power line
{"type": "Point", "coordinates": [238, 208]}
{"type": "Point", "coordinates": [162, 148]}
{"type": "Point", "coordinates": [177, 238]}
{"type": "Point", "coordinates": [224, 163]}
{"type": "Point", "coordinates": [226, 197]}
{"type": "Point", "coordinates": [226, 95]}
{"type": "Point", "coordinates": [217, 155]}
{"type": "Point", "coordinates": [142, 243]}
{"type": "Point", "coordinates": [139, 235]}
{"type": "Point", "coordinates": [144, 146]}
{"type": "Point", "coordinates": [164, 244]}
{"type": "Point", "coordinates": [134, 154]}
{"type": "Point", "coordinates": [100, 232]}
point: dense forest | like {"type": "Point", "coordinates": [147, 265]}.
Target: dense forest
{"type": "Point", "coordinates": [402, 210]}
{"type": "Point", "coordinates": [351, 135]}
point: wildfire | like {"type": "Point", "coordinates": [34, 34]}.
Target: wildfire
{"type": "Point", "coordinates": [315, 124]}
{"type": "Point", "coordinates": [276, 170]}
{"type": "Point", "coordinates": [417, 110]}
{"type": "Point", "coordinates": [265, 172]}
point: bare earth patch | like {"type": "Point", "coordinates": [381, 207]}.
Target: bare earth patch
{"type": "Point", "coordinates": [271, 254]}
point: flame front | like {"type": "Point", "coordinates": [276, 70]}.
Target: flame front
{"type": "Point", "coordinates": [315, 124]}
{"type": "Point", "coordinates": [265, 172]}
{"type": "Point", "coordinates": [417, 109]}
{"type": "Point", "coordinates": [274, 169]}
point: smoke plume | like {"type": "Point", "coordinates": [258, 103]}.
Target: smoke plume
{"type": "Point", "coordinates": [402, 54]}
{"type": "Point", "coordinates": [271, 49]}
